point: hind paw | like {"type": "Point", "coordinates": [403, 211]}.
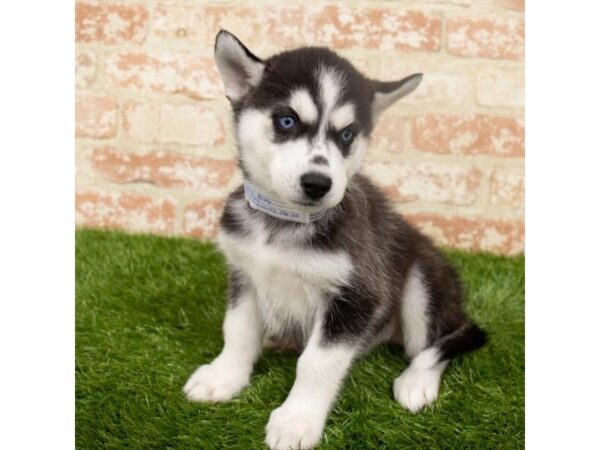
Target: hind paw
{"type": "Point", "coordinates": [416, 388]}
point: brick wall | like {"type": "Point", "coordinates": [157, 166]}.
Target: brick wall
{"type": "Point", "coordinates": [154, 148]}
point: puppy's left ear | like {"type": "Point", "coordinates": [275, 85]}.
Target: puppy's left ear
{"type": "Point", "coordinates": [240, 69]}
{"type": "Point", "coordinates": [386, 93]}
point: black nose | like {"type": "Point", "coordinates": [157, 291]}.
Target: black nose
{"type": "Point", "coordinates": [315, 185]}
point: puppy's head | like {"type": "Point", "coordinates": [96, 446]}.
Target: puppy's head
{"type": "Point", "coordinates": [303, 118]}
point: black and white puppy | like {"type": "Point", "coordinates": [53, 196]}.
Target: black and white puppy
{"type": "Point", "coordinates": [318, 259]}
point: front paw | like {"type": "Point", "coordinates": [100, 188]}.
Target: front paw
{"type": "Point", "coordinates": [294, 428]}
{"type": "Point", "coordinates": [216, 382]}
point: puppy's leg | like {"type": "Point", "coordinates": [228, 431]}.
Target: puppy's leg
{"type": "Point", "coordinates": [230, 372]}
{"type": "Point", "coordinates": [298, 423]}
{"type": "Point", "coordinates": [419, 384]}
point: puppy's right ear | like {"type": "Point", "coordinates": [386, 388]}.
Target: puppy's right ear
{"type": "Point", "coordinates": [239, 68]}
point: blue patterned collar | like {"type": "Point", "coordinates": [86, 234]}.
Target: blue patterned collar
{"type": "Point", "coordinates": [269, 204]}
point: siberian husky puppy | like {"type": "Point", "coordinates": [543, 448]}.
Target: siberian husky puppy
{"type": "Point", "coordinates": [317, 257]}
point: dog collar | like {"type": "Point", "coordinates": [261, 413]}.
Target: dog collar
{"type": "Point", "coordinates": [261, 201]}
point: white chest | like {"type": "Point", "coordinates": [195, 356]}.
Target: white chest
{"type": "Point", "coordinates": [291, 283]}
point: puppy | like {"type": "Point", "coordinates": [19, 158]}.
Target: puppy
{"type": "Point", "coordinates": [317, 257]}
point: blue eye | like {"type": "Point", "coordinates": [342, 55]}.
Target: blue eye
{"type": "Point", "coordinates": [285, 122]}
{"type": "Point", "coordinates": [346, 136]}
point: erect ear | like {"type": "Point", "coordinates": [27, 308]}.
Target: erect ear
{"type": "Point", "coordinates": [389, 92]}
{"type": "Point", "coordinates": [239, 68]}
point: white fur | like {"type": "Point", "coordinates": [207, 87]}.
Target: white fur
{"type": "Point", "coordinates": [337, 170]}
{"type": "Point", "coordinates": [414, 313]}
{"type": "Point", "coordinates": [303, 104]}
{"type": "Point", "coordinates": [355, 159]}
{"type": "Point", "coordinates": [290, 281]}
{"type": "Point", "coordinates": [427, 359]}
{"type": "Point", "coordinates": [254, 254]}
{"type": "Point", "coordinates": [343, 116]}
{"type": "Point", "coordinates": [298, 423]}
{"type": "Point", "coordinates": [253, 134]}
{"type": "Point", "coordinates": [230, 372]}
{"type": "Point", "coordinates": [292, 160]}
{"type": "Point", "coordinates": [331, 84]}
{"type": "Point", "coordinates": [418, 387]}
{"type": "Point", "coordinates": [278, 167]}
{"type": "Point", "coordinates": [230, 56]}
{"type": "Point", "coordinates": [419, 384]}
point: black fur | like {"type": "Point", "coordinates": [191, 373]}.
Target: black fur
{"type": "Point", "coordinates": [320, 160]}
{"type": "Point", "coordinates": [467, 338]}
{"type": "Point", "coordinates": [383, 247]}
{"type": "Point", "coordinates": [295, 69]}
{"type": "Point", "coordinates": [230, 222]}
{"type": "Point", "coordinates": [349, 313]}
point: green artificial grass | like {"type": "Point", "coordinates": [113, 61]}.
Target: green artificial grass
{"type": "Point", "coordinates": [149, 311]}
